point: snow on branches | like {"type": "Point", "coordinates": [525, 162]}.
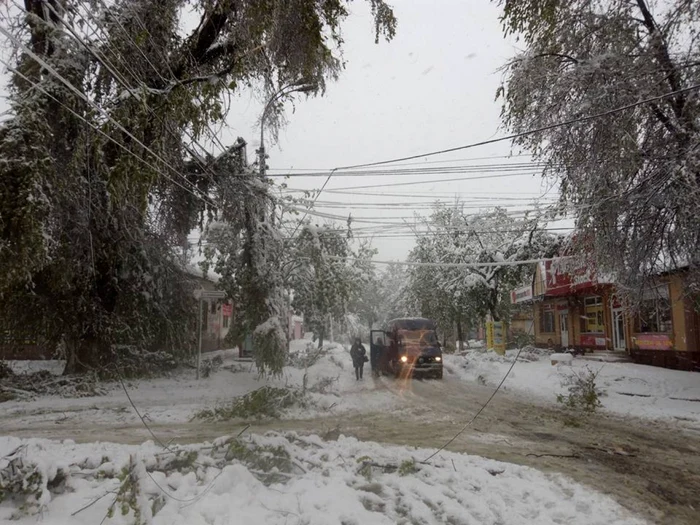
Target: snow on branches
{"type": "Point", "coordinates": [633, 176]}
{"type": "Point", "coordinates": [452, 293]}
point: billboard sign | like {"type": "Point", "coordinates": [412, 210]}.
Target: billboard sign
{"type": "Point", "coordinates": [521, 295]}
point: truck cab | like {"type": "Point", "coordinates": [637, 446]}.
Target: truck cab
{"type": "Point", "coordinates": [406, 347]}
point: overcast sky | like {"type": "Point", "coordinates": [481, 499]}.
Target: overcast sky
{"type": "Point", "coordinates": [430, 88]}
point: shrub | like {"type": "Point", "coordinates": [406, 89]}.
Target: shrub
{"type": "Point", "coordinates": [210, 366]}
{"type": "Point", "coordinates": [324, 385]}
{"type": "Point", "coordinates": [264, 402]}
{"type": "Point", "coordinates": [307, 357]}
{"type": "Point", "coordinates": [408, 467]}
{"type": "Point", "coordinates": [270, 464]}
{"type": "Point", "coordinates": [583, 397]}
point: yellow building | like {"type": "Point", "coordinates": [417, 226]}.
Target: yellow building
{"type": "Point", "coordinates": [575, 309]}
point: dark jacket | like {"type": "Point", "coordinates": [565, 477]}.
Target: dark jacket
{"type": "Point", "coordinates": [358, 352]}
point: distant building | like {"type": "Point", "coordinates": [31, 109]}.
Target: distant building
{"type": "Point", "coordinates": [576, 308]}
{"type": "Point", "coordinates": [216, 313]}
{"type": "Point", "coordinates": [296, 327]}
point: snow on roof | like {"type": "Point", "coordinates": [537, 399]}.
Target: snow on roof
{"type": "Point", "coordinates": [195, 270]}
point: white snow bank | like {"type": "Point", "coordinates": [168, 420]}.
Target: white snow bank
{"type": "Point", "coordinates": [55, 366]}
{"type": "Point", "coordinates": [330, 383]}
{"type": "Point", "coordinates": [314, 483]}
{"type": "Point", "coordinates": [561, 358]}
{"type": "Point", "coordinates": [630, 389]}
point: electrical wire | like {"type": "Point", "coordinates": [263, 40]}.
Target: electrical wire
{"type": "Point", "coordinates": [418, 163]}
{"type": "Point", "coordinates": [97, 129]}
{"type": "Point", "coordinates": [104, 113]}
{"type": "Point", "coordinates": [529, 132]}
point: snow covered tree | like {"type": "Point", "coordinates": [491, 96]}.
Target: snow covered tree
{"type": "Point", "coordinates": [102, 173]}
{"type": "Point", "coordinates": [364, 302]}
{"type": "Point", "coordinates": [632, 176]}
{"type": "Point", "coordinates": [323, 281]}
{"type": "Point", "coordinates": [457, 295]}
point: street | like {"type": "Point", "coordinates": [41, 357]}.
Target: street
{"type": "Point", "coordinates": [651, 468]}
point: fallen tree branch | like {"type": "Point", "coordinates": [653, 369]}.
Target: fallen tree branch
{"type": "Point", "coordinates": [98, 498]}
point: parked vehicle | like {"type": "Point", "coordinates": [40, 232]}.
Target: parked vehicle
{"type": "Point", "coordinates": [406, 347]}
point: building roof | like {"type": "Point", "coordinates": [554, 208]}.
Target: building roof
{"type": "Point", "coordinates": [195, 270]}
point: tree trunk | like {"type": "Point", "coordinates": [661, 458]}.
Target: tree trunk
{"type": "Point", "coordinates": [321, 334]}
{"type": "Point", "coordinates": [460, 339]}
{"type": "Point", "coordinates": [85, 355]}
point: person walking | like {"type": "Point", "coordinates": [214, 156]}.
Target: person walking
{"type": "Point", "coordinates": [375, 352]}
{"type": "Point", "coordinates": [359, 357]}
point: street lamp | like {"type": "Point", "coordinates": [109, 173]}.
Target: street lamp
{"type": "Point", "coordinates": [299, 86]}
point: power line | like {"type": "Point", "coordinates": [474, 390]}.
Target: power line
{"type": "Point", "coordinates": [529, 132]}
{"type": "Point", "coordinates": [483, 407]}
{"type": "Point", "coordinates": [81, 95]}
{"type": "Point", "coordinates": [492, 141]}
{"type": "Point", "coordinates": [449, 265]}
{"type": "Point", "coordinates": [438, 181]}
{"type": "Point", "coordinates": [419, 163]}
{"type": "Point", "coordinates": [443, 170]}
{"type": "Point", "coordinates": [435, 195]}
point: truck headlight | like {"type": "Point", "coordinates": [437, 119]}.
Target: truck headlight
{"type": "Point", "coordinates": [404, 359]}
{"type": "Point", "coordinates": [438, 359]}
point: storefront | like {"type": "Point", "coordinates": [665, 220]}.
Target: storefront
{"type": "Point", "coordinates": [571, 307]}
{"type": "Point", "coordinates": [663, 329]}
{"type": "Point", "coordinates": [574, 309]}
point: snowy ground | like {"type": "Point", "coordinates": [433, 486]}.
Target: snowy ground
{"type": "Point", "coordinates": [177, 398]}
{"type": "Point", "coordinates": [630, 389]}
{"type": "Point", "coordinates": [288, 479]}
{"type": "Point", "coordinates": [615, 456]}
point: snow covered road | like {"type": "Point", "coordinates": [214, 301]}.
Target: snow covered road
{"type": "Point", "coordinates": [649, 466]}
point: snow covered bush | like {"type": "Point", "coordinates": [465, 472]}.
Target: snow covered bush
{"type": "Point", "coordinates": [265, 402]}
{"type": "Point", "coordinates": [306, 357]}
{"type": "Point", "coordinates": [583, 397]}
{"type": "Point", "coordinates": [210, 366]}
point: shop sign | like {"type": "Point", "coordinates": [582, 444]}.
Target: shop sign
{"type": "Point", "coordinates": [653, 342]}
{"type": "Point", "coordinates": [227, 310]}
{"type": "Point", "coordinates": [495, 337]}
{"type": "Point", "coordinates": [521, 295]}
{"type": "Point", "coordinates": [592, 340]}
{"type": "Point", "coordinates": [568, 274]}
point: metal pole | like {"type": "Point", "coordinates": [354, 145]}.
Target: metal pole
{"type": "Point", "coordinates": [199, 345]}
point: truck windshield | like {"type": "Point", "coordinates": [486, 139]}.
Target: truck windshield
{"type": "Point", "coordinates": [422, 337]}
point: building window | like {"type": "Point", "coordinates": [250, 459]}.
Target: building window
{"type": "Point", "coordinates": [655, 311]}
{"type": "Point", "coordinates": [547, 319]}
{"type": "Point", "coordinates": [592, 318]}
